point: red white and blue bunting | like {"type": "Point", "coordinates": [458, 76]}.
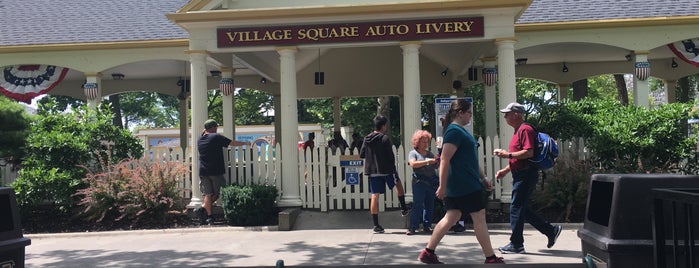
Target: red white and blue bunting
{"type": "Point", "coordinates": [24, 82]}
{"type": "Point", "coordinates": [226, 86]}
{"type": "Point", "coordinates": [642, 69]}
{"type": "Point", "coordinates": [490, 76]}
{"type": "Point", "coordinates": [92, 91]}
{"type": "Point", "coordinates": [687, 50]}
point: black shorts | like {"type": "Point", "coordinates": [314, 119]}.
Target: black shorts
{"type": "Point", "coordinates": [467, 204]}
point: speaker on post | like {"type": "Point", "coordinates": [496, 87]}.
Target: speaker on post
{"type": "Point", "coordinates": [320, 78]}
{"type": "Point", "coordinates": [472, 74]}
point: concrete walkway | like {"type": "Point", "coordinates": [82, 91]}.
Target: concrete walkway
{"type": "Point", "coordinates": [342, 239]}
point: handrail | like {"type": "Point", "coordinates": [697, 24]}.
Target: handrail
{"type": "Point", "coordinates": [682, 223]}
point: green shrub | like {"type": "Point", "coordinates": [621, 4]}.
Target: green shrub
{"type": "Point", "coordinates": [137, 191]}
{"type": "Point", "coordinates": [58, 145]}
{"type": "Point", "coordinates": [38, 185]}
{"type": "Point", "coordinates": [624, 139]}
{"type": "Point", "coordinates": [565, 188]}
{"type": "Point", "coordinates": [250, 205]}
{"type": "Point", "coordinates": [13, 130]}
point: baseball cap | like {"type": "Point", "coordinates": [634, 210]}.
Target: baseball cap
{"type": "Point", "coordinates": [210, 123]}
{"type": "Point", "coordinates": [513, 107]}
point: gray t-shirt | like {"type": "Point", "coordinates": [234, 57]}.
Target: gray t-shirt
{"type": "Point", "coordinates": [427, 171]}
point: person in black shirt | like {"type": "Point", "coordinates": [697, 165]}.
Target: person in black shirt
{"type": "Point", "coordinates": [380, 166]}
{"type": "Point", "coordinates": [212, 167]}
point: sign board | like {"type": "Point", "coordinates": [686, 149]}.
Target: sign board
{"type": "Point", "coordinates": [380, 31]}
{"type": "Point", "coordinates": [352, 165]}
{"type": "Point", "coordinates": [441, 108]}
{"type": "Point", "coordinates": [352, 176]}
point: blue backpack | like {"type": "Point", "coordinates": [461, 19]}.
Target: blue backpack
{"type": "Point", "coordinates": [545, 153]}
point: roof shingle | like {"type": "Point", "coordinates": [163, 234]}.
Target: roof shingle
{"type": "Point", "coordinates": [35, 22]}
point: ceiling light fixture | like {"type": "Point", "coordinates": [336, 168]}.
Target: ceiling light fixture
{"type": "Point", "coordinates": [215, 73]}
{"type": "Point", "coordinates": [628, 57]}
{"type": "Point", "coordinates": [263, 81]}
{"type": "Point", "coordinates": [444, 73]}
{"type": "Point", "coordinates": [674, 64]}
{"type": "Point", "coordinates": [565, 68]}
{"type": "Point", "coordinates": [521, 61]}
{"type": "Point", "coordinates": [118, 76]}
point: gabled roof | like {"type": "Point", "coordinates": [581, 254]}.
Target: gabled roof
{"type": "Point", "coordinates": [38, 22]}
{"type": "Point", "coordinates": [549, 11]}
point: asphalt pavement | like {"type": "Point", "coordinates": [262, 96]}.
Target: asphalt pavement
{"type": "Point", "coordinates": [317, 239]}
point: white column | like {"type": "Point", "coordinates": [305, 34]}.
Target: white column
{"type": "Point", "coordinates": [670, 90]}
{"type": "Point", "coordinates": [563, 91]}
{"type": "Point", "coordinates": [228, 107]}
{"type": "Point", "coordinates": [507, 88]}
{"type": "Point", "coordinates": [95, 78]}
{"type": "Point", "coordinates": [641, 88]}
{"type": "Point", "coordinates": [411, 103]}
{"type": "Point", "coordinates": [290, 196]}
{"type": "Point", "coordinates": [491, 111]}
{"type": "Point", "coordinates": [200, 113]}
{"type": "Point", "coordinates": [337, 110]}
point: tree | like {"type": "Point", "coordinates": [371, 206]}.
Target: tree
{"type": "Point", "coordinates": [59, 103]}
{"type": "Point", "coordinates": [14, 128]}
{"type": "Point", "coordinates": [251, 106]}
{"type": "Point", "coordinates": [148, 109]}
{"type": "Point", "coordinates": [622, 91]}
{"type": "Point", "coordinates": [59, 147]}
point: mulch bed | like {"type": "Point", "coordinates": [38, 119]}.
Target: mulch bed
{"type": "Point", "coordinates": [45, 221]}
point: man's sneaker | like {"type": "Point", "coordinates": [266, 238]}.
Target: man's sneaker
{"type": "Point", "coordinates": [556, 232]}
{"type": "Point", "coordinates": [210, 221]}
{"type": "Point", "coordinates": [427, 230]}
{"type": "Point", "coordinates": [429, 258]}
{"type": "Point", "coordinates": [494, 260]}
{"type": "Point", "coordinates": [405, 211]}
{"type": "Point", "coordinates": [511, 249]}
{"type": "Point", "coordinates": [201, 214]}
{"type": "Point", "coordinates": [457, 228]}
{"type": "Point", "coordinates": [410, 232]}
{"type": "Point", "coordinates": [378, 229]}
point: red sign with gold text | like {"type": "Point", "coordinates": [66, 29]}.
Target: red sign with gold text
{"type": "Point", "coordinates": [352, 32]}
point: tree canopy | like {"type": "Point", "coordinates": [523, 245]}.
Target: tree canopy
{"type": "Point", "coordinates": [14, 128]}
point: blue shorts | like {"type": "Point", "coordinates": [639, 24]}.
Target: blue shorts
{"type": "Point", "coordinates": [467, 204]}
{"type": "Point", "coordinates": [377, 184]}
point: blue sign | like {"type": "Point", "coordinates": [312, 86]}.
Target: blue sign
{"type": "Point", "coordinates": [351, 163]}
{"type": "Point", "coordinates": [352, 176]}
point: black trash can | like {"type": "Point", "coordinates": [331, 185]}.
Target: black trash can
{"type": "Point", "coordinates": [618, 219]}
{"type": "Point", "coordinates": [12, 242]}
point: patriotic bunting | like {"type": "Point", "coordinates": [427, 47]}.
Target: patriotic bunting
{"type": "Point", "coordinates": [642, 70]}
{"type": "Point", "coordinates": [226, 86]}
{"type": "Point", "coordinates": [490, 76]}
{"type": "Point", "coordinates": [687, 50]}
{"type": "Point", "coordinates": [24, 82]}
{"type": "Point", "coordinates": [92, 91]}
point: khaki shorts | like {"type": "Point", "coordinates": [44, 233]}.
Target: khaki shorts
{"type": "Point", "coordinates": [211, 185]}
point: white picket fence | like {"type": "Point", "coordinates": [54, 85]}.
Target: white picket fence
{"type": "Point", "coordinates": [321, 178]}
{"type": "Point", "coordinates": [322, 183]}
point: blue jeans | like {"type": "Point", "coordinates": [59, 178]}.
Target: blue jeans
{"type": "Point", "coordinates": [423, 205]}
{"type": "Point", "coordinates": [523, 185]}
